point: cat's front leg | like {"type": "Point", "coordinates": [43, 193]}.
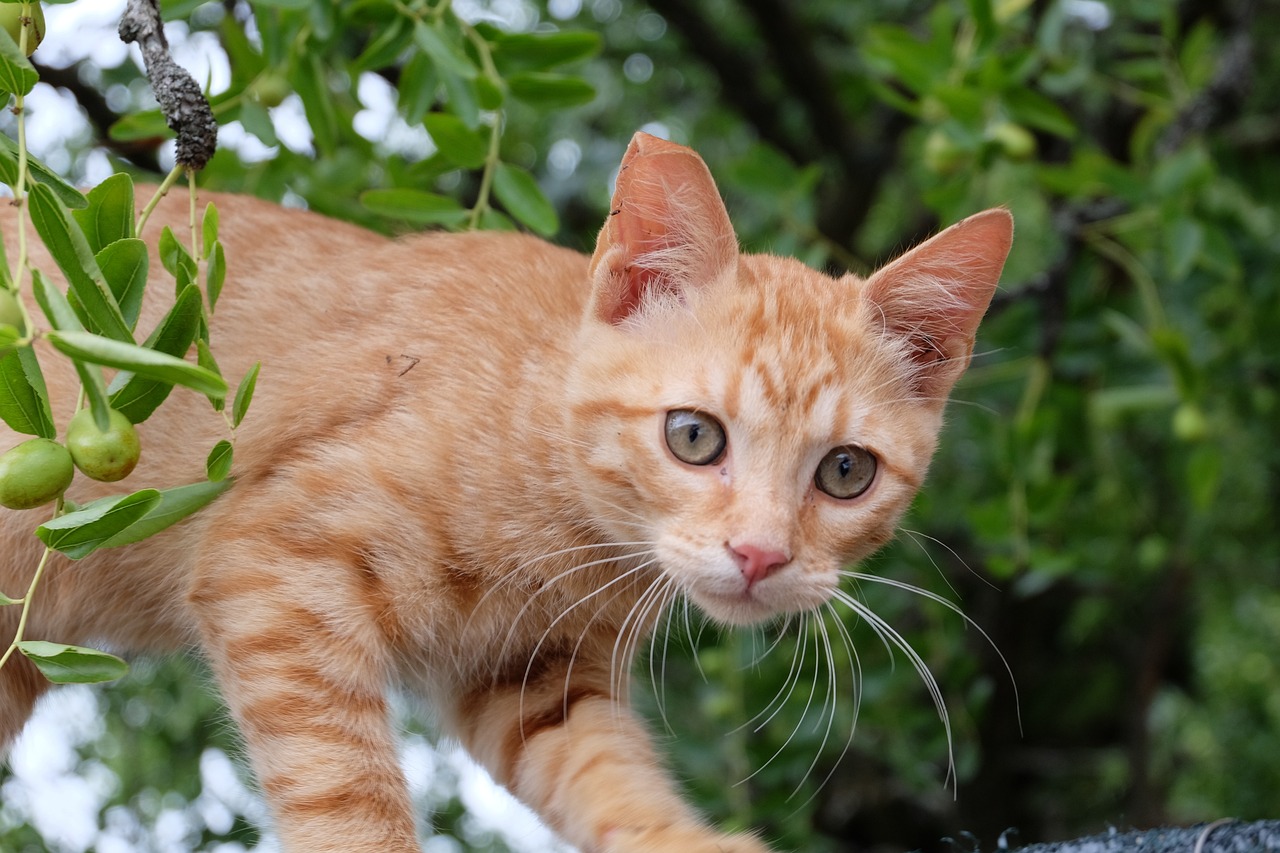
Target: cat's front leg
{"type": "Point", "coordinates": [562, 744]}
{"type": "Point", "coordinates": [298, 653]}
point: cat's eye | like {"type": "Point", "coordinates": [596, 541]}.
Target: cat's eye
{"type": "Point", "coordinates": [695, 437]}
{"type": "Point", "coordinates": [846, 472]}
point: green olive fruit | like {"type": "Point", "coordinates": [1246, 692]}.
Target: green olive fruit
{"type": "Point", "coordinates": [105, 456]}
{"type": "Point", "coordinates": [10, 313]}
{"type": "Point", "coordinates": [942, 155]}
{"type": "Point", "coordinates": [270, 88]}
{"type": "Point", "coordinates": [34, 473]}
{"type": "Point", "coordinates": [11, 21]}
{"type": "Point", "coordinates": [1190, 423]}
{"type": "Point", "coordinates": [1016, 141]}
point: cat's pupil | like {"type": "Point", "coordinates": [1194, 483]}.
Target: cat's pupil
{"type": "Point", "coordinates": [695, 438]}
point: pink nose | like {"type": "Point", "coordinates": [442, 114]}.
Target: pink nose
{"type": "Point", "coordinates": [756, 563]}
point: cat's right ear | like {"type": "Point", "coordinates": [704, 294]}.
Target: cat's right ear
{"type": "Point", "coordinates": [667, 231]}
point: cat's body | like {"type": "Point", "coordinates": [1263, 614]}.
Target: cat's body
{"type": "Point", "coordinates": [458, 476]}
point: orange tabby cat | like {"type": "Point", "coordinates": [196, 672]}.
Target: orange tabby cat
{"type": "Point", "coordinates": [479, 464]}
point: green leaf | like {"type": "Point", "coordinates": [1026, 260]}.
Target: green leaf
{"type": "Point", "coordinates": [1184, 240]}
{"type": "Point", "coordinates": [386, 46]}
{"type": "Point", "coordinates": [145, 362]}
{"type": "Point", "coordinates": [80, 533]}
{"type": "Point", "coordinates": [417, 206]}
{"type": "Point", "coordinates": [541, 51]}
{"type": "Point", "coordinates": [174, 505]}
{"type": "Point", "coordinates": [209, 229]}
{"type": "Point", "coordinates": [17, 75]}
{"type": "Point", "coordinates": [462, 98]}
{"type": "Point", "coordinates": [204, 357]}
{"type": "Point", "coordinates": [459, 143]}
{"type": "Point", "coordinates": [64, 664]}
{"type": "Point", "coordinates": [244, 395]}
{"type": "Point", "coordinates": [520, 195]}
{"type": "Point", "coordinates": [66, 243]}
{"type": "Point", "coordinates": [419, 83]}
{"type": "Point", "coordinates": [257, 121]}
{"type": "Point", "coordinates": [551, 91]}
{"type": "Point", "coordinates": [62, 317]}
{"type": "Point", "coordinates": [309, 78]}
{"type": "Point", "coordinates": [24, 399]}
{"type": "Point", "coordinates": [1029, 107]}
{"type": "Point", "coordinates": [124, 265]}
{"type": "Point", "coordinates": [109, 216]}
{"type": "Point", "coordinates": [137, 397]}
{"type": "Point", "coordinates": [217, 274]}
{"type": "Point", "coordinates": [69, 195]}
{"type": "Point", "coordinates": [445, 51]}
{"type": "Point", "coordinates": [218, 465]}
{"type": "Point", "coordinates": [174, 255]}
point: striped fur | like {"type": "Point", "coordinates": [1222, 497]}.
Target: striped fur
{"type": "Point", "coordinates": [455, 481]}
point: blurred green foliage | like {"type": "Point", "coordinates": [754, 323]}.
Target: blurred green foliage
{"type": "Point", "coordinates": [1104, 501]}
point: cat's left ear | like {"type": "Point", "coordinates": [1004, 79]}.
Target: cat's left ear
{"type": "Point", "coordinates": [935, 295]}
{"type": "Point", "coordinates": [667, 231]}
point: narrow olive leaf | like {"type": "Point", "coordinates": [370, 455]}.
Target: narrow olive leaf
{"type": "Point", "coordinates": [63, 664]}
{"type": "Point", "coordinates": [109, 216]}
{"type": "Point", "coordinates": [175, 504]}
{"type": "Point", "coordinates": [145, 362]}
{"type": "Point", "coordinates": [62, 317]}
{"type": "Point", "coordinates": [459, 143]}
{"type": "Point", "coordinates": [24, 400]}
{"type": "Point", "coordinates": [204, 358]}
{"type": "Point", "coordinates": [461, 97]}
{"type": "Point", "coordinates": [419, 83]}
{"type": "Point", "coordinates": [137, 397]}
{"type": "Point", "coordinates": [520, 195]}
{"type": "Point", "coordinates": [209, 229]}
{"type": "Point", "coordinates": [70, 196]}
{"type": "Point", "coordinates": [244, 395]}
{"type": "Point", "coordinates": [541, 51]}
{"type": "Point", "coordinates": [124, 265]}
{"type": "Point", "coordinates": [17, 76]}
{"type": "Point", "coordinates": [218, 465]}
{"type": "Point", "coordinates": [174, 255]}
{"type": "Point", "coordinates": [416, 206]}
{"type": "Point", "coordinates": [80, 533]}
{"type": "Point", "coordinates": [550, 90]}
{"type": "Point", "coordinates": [217, 274]}
{"type": "Point", "coordinates": [70, 250]}
{"type": "Point", "coordinates": [444, 51]}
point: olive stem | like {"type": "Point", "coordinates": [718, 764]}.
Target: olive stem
{"type": "Point", "coordinates": [20, 190]}
{"type": "Point", "coordinates": [27, 599]}
{"type": "Point", "coordinates": [161, 191]}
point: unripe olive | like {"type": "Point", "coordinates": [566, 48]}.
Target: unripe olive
{"type": "Point", "coordinates": [105, 456]}
{"type": "Point", "coordinates": [1190, 423]}
{"type": "Point", "coordinates": [34, 473]}
{"type": "Point", "coordinates": [270, 88]}
{"type": "Point", "coordinates": [1015, 140]}
{"type": "Point", "coordinates": [942, 155]}
{"type": "Point", "coordinates": [11, 21]}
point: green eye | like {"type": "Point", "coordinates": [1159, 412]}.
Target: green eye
{"type": "Point", "coordinates": [846, 472]}
{"type": "Point", "coordinates": [694, 437]}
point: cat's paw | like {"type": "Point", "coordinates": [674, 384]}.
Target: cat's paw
{"type": "Point", "coordinates": [684, 840]}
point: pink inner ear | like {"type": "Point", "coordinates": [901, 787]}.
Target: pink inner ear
{"type": "Point", "coordinates": [668, 230]}
{"type": "Point", "coordinates": [934, 296]}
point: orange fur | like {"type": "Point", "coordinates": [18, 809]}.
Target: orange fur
{"type": "Point", "coordinates": [454, 479]}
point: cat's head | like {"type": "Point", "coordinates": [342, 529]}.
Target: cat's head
{"type": "Point", "coordinates": [758, 424]}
